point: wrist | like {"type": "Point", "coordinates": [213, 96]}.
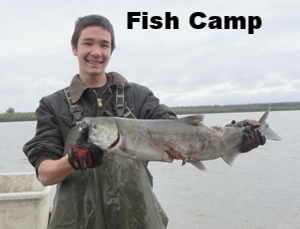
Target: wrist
{"type": "Point", "coordinates": [51, 172]}
{"type": "Point", "coordinates": [73, 157]}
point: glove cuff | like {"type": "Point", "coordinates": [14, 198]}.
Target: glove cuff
{"type": "Point", "coordinates": [73, 159]}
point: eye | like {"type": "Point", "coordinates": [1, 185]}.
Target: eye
{"type": "Point", "coordinates": [104, 44]}
{"type": "Point", "coordinates": [94, 126]}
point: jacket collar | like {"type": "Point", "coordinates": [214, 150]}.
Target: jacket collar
{"type": "Point", "coordinates": [77, 87]}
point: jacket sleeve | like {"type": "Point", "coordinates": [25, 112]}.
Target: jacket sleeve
{"type": "Point", "coordinates": [47, 142]}
{"type": "Point", "coordinates": [148, 105]}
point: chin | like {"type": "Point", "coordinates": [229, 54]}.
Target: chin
{"type": "Point", "coordinates": [95, 73]}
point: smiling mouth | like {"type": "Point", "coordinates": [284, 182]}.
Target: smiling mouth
{"type": "Point", "coordinates": [93, 62]}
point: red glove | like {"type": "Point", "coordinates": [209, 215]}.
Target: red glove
{"type": "Point", "coordinates": [252, 139]}
{"type": "Point", "coordinates": [84, 154]}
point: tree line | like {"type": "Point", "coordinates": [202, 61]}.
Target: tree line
{"type": "Point", "coordinates": [256, 107]}
{"type": "Point", "coordinates": [12, 116]}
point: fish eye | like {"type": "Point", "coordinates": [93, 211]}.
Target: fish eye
{"type": "Point", "coordinates": [94, 125]}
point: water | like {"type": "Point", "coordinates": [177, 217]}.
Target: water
{"type": "Point", "coordinates": [260, 191]}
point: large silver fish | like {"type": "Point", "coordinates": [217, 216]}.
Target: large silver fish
{"type": "Point", "coordinates": [186, 138]}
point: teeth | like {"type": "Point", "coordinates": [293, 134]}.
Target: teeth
{"type": "Point", "coordinates": [94, 62]}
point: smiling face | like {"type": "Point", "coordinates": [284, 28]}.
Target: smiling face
{"type": "Point", "coordinates": [93, 52]}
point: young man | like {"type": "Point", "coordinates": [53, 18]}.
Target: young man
{"type": "Point", "coordinates": [97, 190]}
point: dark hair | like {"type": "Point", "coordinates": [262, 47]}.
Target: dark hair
{"type": "Point", "coordinates": [92, 20]}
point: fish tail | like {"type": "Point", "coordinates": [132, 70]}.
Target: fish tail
{"type": "Point", "coordinates": [266, 129]}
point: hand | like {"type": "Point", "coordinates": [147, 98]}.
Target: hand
{"type": "Point", "coordinates": [84, 154]}
{"type": "Point", "coordinates": [243, 123]}
{"type": "Point", "coordinates": [252, 139]}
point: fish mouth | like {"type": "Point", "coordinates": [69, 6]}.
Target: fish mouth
{"type": "Point", "coordinates": [87, 120]}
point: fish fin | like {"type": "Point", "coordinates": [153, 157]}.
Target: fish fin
{"type": "Point", "coordinates": [194, 120]}
{"type": "Point", "coordinates": [268, 132]}
{"type": "Point", "coordinates": [265, 115]}
{"type": "Point", "coordinates": [133, 163]}
{"type": "Point", "coordinates": [198, 164]}
{"type": "Point", "coordinates": [125, 153]}
{"type": "Point", "coordinates": [229, 158]}
{"type": "Point", "coordinates": [265, 128]}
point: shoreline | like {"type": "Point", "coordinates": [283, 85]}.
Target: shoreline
{"type": "Point", "coordinates": [182, 110]}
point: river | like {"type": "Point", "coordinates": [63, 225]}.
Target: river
{"type": "Point", "coordinates": [260, 191]}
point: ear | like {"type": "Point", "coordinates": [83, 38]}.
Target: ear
{"type": "Point", "coordinates": [74, 50]}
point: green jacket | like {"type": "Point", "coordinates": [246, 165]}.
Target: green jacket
{"type": "Point", "coordinates": [117, 194]}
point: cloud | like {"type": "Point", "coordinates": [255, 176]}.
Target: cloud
{"type": "Point", "coordinates": [183, 67]}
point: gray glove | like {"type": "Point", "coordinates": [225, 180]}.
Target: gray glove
{"type": "Point", "coordinates": [252, 138]}
{"type": "Point", "coordinates": [84, 154]}
{"type": "Point", "coordinates": [243, 123]}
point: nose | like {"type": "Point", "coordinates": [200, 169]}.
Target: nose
{"type": "Point", "coordinates": [96, 51]}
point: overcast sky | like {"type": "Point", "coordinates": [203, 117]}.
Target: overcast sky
{"type": "Point", "coordinates": [183, 67]}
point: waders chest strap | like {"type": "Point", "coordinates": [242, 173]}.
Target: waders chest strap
{"type": "Point", "coordinates": [120, 105]}
{"type": "Point", "coordinates": [75, 109]}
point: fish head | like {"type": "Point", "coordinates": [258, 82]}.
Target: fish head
{"type": "Point", "coordinates": [103, 131]}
